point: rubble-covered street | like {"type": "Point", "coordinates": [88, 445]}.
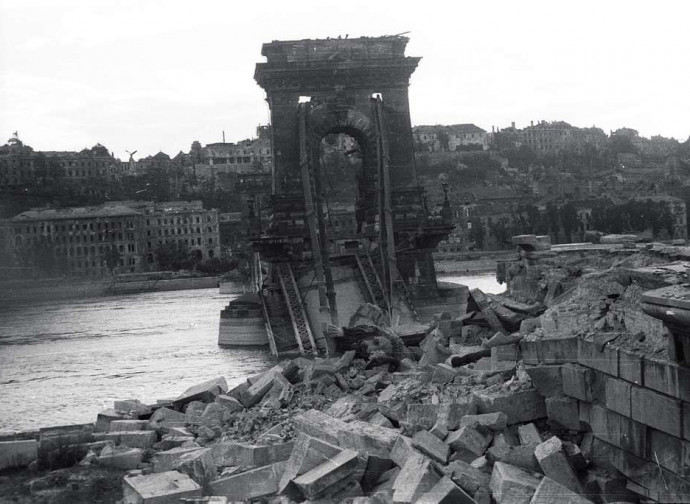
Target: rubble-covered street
{"type": "Point", "coordinates": [559, 391]}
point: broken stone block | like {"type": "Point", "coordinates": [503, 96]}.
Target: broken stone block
{"type": "Point", "coordinates": [494, 421]}
{"type": "Point", "coordinates": [422, 416]}
{"type": "Point", "coordinates": [229, 403]}
{"type": "Point", "coordinates": [205, 392]}
{"type": "Point", "coordinates": [367, 439]}
{"type": "Point", "coordinates": [165, 418]}
{"type": "Point", "coordinates": [308, 453]}
{"type": "Point", "coordinates": [577, 381]}
{"type": "Point", "coordinates": [230, 453]}
{"type": "Point", "coordinates": [380, 420]}
{"type": "Point", "coordinates": [252, 484]}
{"type": "Point", "coordinates": [374, 469]}
{"type": "Point", "coordinates": [402, 450]}
{"type": "Point", "coordinates": [132, 407]}
{"type": "Point", "coordinates": [319, 425]}
{"type": "Point", "coordinates": [482, 496]}
{"type": "Point", "coordinates": [547, 379]}
{"type": "Point", "coordinates": [520, 406]}
{"type": "Point", "coordinates": [213, 415]}
{"type": "Point", "coordinates": [529, 434]}
{"type": "Point", "coordinates": [445, 492]}
{"type": "Point", "coordinates": [198, 465]}
{"type": "Point", "coordinates": [104, 418]}
{"type": "Point", "coordinates": [159, 488]}
{"type": "Point", "coordinates": [575, 456]}
{"type": "Point", "coordinates": [512, 485]}
{"type": "Point", "coordinates": [470, 438]}
{"type": "Point", "coordinates": [383, 489]}
{"type": "Point", "coordinates": [443, 373]}
{"type": "Point", "coordinates": [469, 478]}
{"type": "Point", "coordinates": [563, 412]}
{"type": "Point", "coordinates": [19, 453]}
{"type": "Point", "coordinates": [416, 478]}
{"type": "Point", "coordinates": [554, 462]}
{"type": "Point", "coordinates": [346, 490]}
{"type": "Point", "coordinates": [237, 391]}
{"type": "Point", "coordinates": [431, 446]}
{"type": "Point", "coordinates": [193, 412]}
{"type": "Point", "coordinates": [134, 439]}
{"type": "Point", "coordinates": [552, 492]}
{"type": "Point", "coordinates": [165, 460]}
{"type": "Point", "coordinates": [169, 442]}
{"type": "Point", "coordinates": [126, 459]}
{"type": "Point", "coordinates": [520, 456]}
{"type": "Point", "coordinates": [318, 480]}
{"type": "Point", "coordinates": [128, 425]}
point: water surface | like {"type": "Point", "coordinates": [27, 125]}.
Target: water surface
{"type": "Point", "coordinates": [62, 362]}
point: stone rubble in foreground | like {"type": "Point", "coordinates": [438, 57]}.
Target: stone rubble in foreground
{"type": "Point", "coordinates": [479, 415]}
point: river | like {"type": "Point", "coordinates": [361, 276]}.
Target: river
{"type": "Point", "coordinates": [63, 361]}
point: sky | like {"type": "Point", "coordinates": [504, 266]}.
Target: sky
{"type": "Point", "coordinates": [150, 75]}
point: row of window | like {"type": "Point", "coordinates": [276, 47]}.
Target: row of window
{"type": "Point", "coordinates": [56, 228]}
{"type": "Point", "coordinates": [91, 251]}
{"type": "Point", "coordinates": [179, 220]}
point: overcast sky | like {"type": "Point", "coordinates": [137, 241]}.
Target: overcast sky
{"type": "Point", "coordinates": [156, 75]}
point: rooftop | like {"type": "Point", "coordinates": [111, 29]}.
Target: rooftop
{"type": "Point", "coordinates": [42, 214]}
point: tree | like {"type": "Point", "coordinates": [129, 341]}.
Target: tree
{"type": "Point", "coordinates": [553, 220]}
{"type": "Point", "coordinates": [174, 256]}
{"type": "Point", "coordinates": [477, 233]}
{"type": "Point", "coordinates": [570, 220]}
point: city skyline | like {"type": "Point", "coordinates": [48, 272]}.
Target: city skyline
{"type": "Point", "coordinates": [155, 77]}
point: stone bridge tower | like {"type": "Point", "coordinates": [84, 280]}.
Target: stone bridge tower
{"type": "Point", "coordinates": [358, 87]}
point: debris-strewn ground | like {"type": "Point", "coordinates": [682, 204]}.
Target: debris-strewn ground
{"type": "Point", "coordinates": [478, 411]}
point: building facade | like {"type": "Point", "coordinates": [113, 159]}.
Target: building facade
{"type": "Point", "coordinates": [21, 165]}
{"type": "Point", "coordinates": [185, 224]}
{"type": "Point", "coordinates": [114, 238]}
{"type": "Point", "coordinates": [450, 138]}
{"type": "Point", "coordinates": [78, 241]}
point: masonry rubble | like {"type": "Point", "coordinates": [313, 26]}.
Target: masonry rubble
{"type": "Point", "coordinates": [511, 402]}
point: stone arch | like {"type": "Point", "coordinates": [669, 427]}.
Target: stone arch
{"type": "Point", "coordinates": [329, 118]}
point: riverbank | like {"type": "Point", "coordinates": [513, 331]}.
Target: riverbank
{"type": "Point", "coordinates": [42, 290]}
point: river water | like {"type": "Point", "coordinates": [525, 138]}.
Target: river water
{"type": "Point", "coordinates": [63, 361]}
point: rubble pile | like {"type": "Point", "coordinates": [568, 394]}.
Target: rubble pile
{"type": "Point", "coordinates": [511, 402]}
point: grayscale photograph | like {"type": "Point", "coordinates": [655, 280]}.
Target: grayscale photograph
{"type": "Point", "coordinates": [355, 252]}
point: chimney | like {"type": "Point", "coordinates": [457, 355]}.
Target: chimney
{"type": "Point", "coordinates": [531, 123]}
{"type": "Point", "coordinates": [512, 124]}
